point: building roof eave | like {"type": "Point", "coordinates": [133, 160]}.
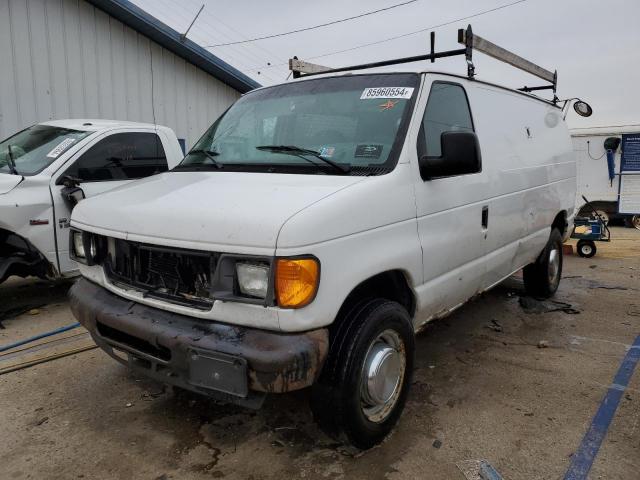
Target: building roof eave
{"type": "Point", "coordinates": [149, 26]}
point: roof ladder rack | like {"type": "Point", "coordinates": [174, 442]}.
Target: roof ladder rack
{"type": "Point", "coordinates": [466, 37]}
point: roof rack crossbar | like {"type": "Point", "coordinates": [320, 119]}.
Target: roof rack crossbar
{"type": "Point", "coordinates": [306, 69]}
{"type": "Point", "coordinates": [467, 38]}
{"type": "Point", "coordinates": [534, 89]}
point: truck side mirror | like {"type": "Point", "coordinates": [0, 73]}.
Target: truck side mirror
{"type": "Point", "coordinates": [460, 156]}
{"type": "Point", "coordinates": [72, 195]}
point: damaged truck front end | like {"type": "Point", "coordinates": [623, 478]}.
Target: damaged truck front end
{"type": "Point", "coordinates": [19, 257]}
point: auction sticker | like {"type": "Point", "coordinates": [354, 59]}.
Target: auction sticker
{"type": "Point", "coordinates": [61, 147]}
{"type": "Point", "coordinates": [387, 92]}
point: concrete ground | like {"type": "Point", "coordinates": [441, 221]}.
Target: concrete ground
{"type": "Point", "coordinates": [483, 389]}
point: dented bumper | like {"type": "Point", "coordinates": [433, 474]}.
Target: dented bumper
{"type": "Point", "coordinates": [195, 354]}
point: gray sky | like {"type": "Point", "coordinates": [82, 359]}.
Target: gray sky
{"type": "Point", "coordinates": [594, 44]}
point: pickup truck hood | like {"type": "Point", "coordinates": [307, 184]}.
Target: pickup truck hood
{"type": "Point", "coordinates": [207, 210]}
{"type": "Point", "coordinates": [8, 182]}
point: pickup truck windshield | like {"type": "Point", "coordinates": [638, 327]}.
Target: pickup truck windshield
{"type": "Point", "coordinates": [348, 125]}
{"type": "Point", "coordinates": [30, 151]}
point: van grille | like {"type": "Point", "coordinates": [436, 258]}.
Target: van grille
{"type": "Point", "coordinates": [175, 275]}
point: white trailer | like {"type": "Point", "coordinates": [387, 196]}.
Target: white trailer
{"type": "Point", "coordinates": [593, 174]}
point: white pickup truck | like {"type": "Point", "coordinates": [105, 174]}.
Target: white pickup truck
{"type": "Point", "coordinates": [46, 168]}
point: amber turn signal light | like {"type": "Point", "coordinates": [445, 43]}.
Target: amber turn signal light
{"type": "Point", "coordinates": [296, 281]}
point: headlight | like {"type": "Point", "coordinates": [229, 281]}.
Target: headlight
{"type": "Point", "coordinates": [84, 247]}
{"type": "Point", "coordinates": [78, 245]}
{"type": "Point", "coordinates": [253, 279]}
{"type": "Point", "coordinates": [297, 281]}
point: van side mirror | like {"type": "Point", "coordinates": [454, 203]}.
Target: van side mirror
{"type": "Point", "coordinates": [460, 156]}
{"type": "Point", "coordinates": [583, 108]}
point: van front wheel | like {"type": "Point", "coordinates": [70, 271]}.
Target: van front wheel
{"type": "Point", "coordinates": [541, 278]}
{"type": "Point", "coordinates": [365, 380]}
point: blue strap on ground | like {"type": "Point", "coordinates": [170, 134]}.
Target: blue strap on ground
{"type": "Point", "coordinates": [583, 459]}
{"type": "Point", "coordinates": [38, 337]}
{"type": "Point", "coordinates": [487, 472]}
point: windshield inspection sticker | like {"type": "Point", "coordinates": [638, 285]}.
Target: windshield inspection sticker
{"type": "Point", "coordinates": [61, 147]}
{"type": "Point", "coordinates": [368, 151]}
{"type": "Point", "coordinates": [387, 92]}
{"type": "Point", "coordinates": [327, 151]}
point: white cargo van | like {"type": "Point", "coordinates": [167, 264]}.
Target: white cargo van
{"type": "Point", "coordinates": [315, 227]}
{"type": "Point", "coordinates": [46, 168]}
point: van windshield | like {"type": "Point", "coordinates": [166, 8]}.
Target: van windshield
{"type": "Point", "coordinates": [30, 151]}
{"type": "Point", "coordinates": [349, 125]}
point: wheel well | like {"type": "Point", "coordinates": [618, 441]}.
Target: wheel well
{"type": "Point", "coordinates": [560, 222]}
{"type": "Point", "coordinates": [392, 285]}
{"type": "Point", "coordinates": [19, 257]}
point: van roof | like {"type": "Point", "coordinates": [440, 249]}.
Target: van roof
{"type": "Point", "coordinates": [94, 125]}
{"type": "Point", "coordinates": [605, 130]}
{"type": "Point", "coordinates": [418, 71]}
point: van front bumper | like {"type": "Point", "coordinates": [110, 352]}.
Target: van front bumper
{"type": "Point", "coordinates": [220, 360]}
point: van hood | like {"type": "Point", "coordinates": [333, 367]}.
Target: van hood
{"type": "Point", "coordinates": [206, 210]}
{"type": "Point", "coordinates": [8, 182]}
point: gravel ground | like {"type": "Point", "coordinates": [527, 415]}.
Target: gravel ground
{"type": "Point", "coordinates": [483, 389]}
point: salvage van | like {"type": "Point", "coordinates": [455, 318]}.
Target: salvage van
{"type": "Point", "coordinates": [47, 168]}
{"type": "Point", "coordinates": [315, 227]}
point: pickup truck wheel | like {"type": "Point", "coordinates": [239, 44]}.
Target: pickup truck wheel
{"type": "Point", "coordinates": [364, 383]}
{"type": "Point", "coordinates": [541, 278]}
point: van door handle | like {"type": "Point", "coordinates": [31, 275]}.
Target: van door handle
{"type": "Point", "coordinates": [485, 217]}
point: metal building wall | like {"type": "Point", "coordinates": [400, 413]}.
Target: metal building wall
{"type": "Point", "coordinates": [67, 59]}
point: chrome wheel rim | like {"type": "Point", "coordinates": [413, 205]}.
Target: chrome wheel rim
{"type": "Point", "coordinates": [382, 376]}
{"type": "Point", "coordinates": [554, 266]}
{"type": "Point", "coordinates": [586, 249]}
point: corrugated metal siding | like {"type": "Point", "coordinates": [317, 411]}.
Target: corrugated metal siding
{"type": "Point", "coordinates": [67, 59]}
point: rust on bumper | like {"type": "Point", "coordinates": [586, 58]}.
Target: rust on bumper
{"type": "Point", "coordinates": [276, 362]}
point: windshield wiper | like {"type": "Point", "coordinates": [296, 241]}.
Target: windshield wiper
{"type": "Point", "coordinates": [300, 152]}
{"type": "Point", "coordinates": [210, 154]}
{"type": "Point", "coordinates": [11, 163]}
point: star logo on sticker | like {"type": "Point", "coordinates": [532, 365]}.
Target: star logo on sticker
{"type": "Point", "coordinates": [388, 105]}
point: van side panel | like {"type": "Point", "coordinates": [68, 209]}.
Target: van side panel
{"type": "Point", "coordinates": [530, 166]}
{"type": "Point", "coordinates": [449, 223]}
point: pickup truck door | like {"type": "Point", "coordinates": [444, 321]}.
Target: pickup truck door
{"type": "Point", "coordinates": [113, 159]}
{"type": "Point", "coordinates": [451, 212]}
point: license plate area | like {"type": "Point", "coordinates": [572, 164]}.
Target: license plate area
{"type": "Point", "coordinates": [218, 371]}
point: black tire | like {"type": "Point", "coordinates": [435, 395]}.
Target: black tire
{"type": "Point", "coordinates": [586, 248]}
{"type": "Point", "coordinates": [538, 278]}
{"type": "Point", "coordinates": [337, 398]}
{"type": "Point", "coordinates": [632, 221]}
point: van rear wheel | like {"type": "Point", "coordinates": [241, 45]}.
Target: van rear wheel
{"type": "Point", "coordinates": [365, 380]}
{"type": "Point", "coordinates": [541, 278]}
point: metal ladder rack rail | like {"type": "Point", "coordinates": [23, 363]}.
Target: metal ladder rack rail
{"type": "Point", "coordinates": [466, 37]}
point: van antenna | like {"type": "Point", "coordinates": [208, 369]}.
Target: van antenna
{"type": "Point", "coordinates": [466, 37]}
